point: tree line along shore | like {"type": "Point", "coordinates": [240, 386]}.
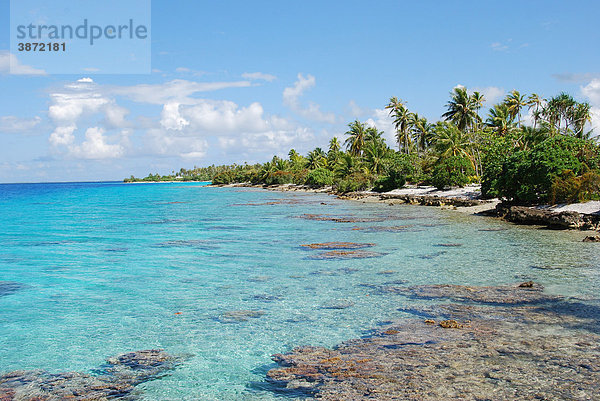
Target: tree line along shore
{"type": "Point", "coordinates": [552, 157]}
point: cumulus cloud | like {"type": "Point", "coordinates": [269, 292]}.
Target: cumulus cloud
{"type": "Point", "coordinates": [491, 94]}
{"type": "Point", "coordinates": [592, 92]}
{"type": "Point", "coordinates": [9, 64]}
{"type": "Point", "coordinates": [87, 119]}
{"type": "Point", "coordinates": [171, 118]}
{"type": "Point", "coordinates": [12, 124]}
{"type": "Point", "coordinates": [382, 120]}
{"type": "Point", "coordinates": [96, 146]}
{"type": "Point", "coordinates": [312, 111]}
{"type": "Point", "coordinates": [259, 76]}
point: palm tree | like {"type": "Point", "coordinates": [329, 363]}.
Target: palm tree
{"type": "Point", "coordinates": [515, 102]}
{"type": "Point", "coordinates": [461, 109]}
{"type": "Point", "coordinates": [452, 141]}
{"type": "Point", "coordinates": [535, 101]}
{"type": "Point", "coordinates": [581, 115]}
{"type": "Point", "coordinates": [401, 117]}
{"type": "Point", "coordinates": [375, 156]}
{"type": "Point", "coordinates": [421, 131]}
{"type": "Point", "coordinates": [477, 100]}
{"type": "Point", "coordinates": [316, 158]}
{"type": "Point", "coordinates": [500, 119]}
{"type": "Point", "coordinates": [334, 145]}
{"type": "Point", "coordinates": [558, 109]}
{"type": "Point", "coordinates": [356, 137]}
{"type": "Point", "coordinates": [346, 165]}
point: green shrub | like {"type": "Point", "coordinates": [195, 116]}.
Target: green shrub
{"type": "Point", "coordinates": [280, 178]}
{"type": "Point", "coordinates": [568, 188]}
{"type": "Point", "coordinates": [528, 176]}
{"type": "Point", "coordinates": [320, 177]}
{"type": "Point", "coordinates": [495, 153]}
{"type": "Point", "coordinates": [452, 171]}
{"type": "Point", "coordinates": [394, 180]}
{"type": "Point", "coordinates": [407, 166]}
{"type": "Point", "coordinates": [226, 177]}
{"type": "Point", "coordinates": [353, 183]}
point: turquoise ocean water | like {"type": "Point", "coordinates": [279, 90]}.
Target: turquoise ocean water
{"type": "Point", "coordinates": [109, 268]}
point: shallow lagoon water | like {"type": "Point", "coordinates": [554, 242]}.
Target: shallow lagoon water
{"type": "Point", "coordinates": [108, 268]}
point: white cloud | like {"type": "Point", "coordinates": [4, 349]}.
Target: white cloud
{"type": "Point", "coordinates": [178, 91]}
{"type": "Point", "coordinates": [16, 125]}
{"type": "Point", "coordinates": [171, 119]}
{"type": "Point", "coordinates": [259, 76]}
{"type": "Point", "coordinates": [96, 146]}
{"type": "Point", "coordinates": [63, 135]}
{"type": "Point", "coordinates": [382, 120]}
{"type": "Point", "coordinates": [592, 92]}
{"type": "Point", "coordinates": [499, 47]}
{"type": "Point", "coordinates": [9, 64]}
{"type": "Point", "coordinates": [312, 111]}
{"type": "Point", "coordinates": [87, 80]}
{"type": "Point", "coordinates": [491, 94]}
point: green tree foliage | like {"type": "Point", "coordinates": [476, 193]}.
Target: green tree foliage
{"type": "Point", "coordinates": [528, 175]}
{"type": "Point", "coordinates": [452, 171]}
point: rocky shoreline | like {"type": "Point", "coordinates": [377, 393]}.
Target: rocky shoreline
{"type": "Point", "coordinates": [505, 342]}
{"type": "Point", "coordinates": [517, 214]}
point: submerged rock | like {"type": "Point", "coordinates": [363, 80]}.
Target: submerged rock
{"type": "Point", "coordinates": [339, 304]}
{"type": "Point", "coordinates": [534, 347]}
{"type": "Point", "coordinates": [117, 379]}
{"type": "Point", "coordinates": [240, 316]}
{"type": "Point", "coordinates": [10, 287]}
{"type": "Point", "coordinates": [595, 238]}
{"type": "Point", "coordinates": [338, 254]}
{"type": "Point", "coordinates": [338, 245]}
{"type": "Point", "coordinates": [341, 219]}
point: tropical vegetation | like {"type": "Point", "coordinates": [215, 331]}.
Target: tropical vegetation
{"type": "Point", "coordinates": [527, 149]}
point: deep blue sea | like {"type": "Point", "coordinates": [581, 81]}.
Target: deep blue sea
{"type": "Point", "coordinates": [107, 268]}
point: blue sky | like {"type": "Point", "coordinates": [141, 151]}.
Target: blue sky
{"type": "Point", "coordinates": [237, 81]}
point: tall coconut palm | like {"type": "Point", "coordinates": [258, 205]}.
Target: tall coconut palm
{"type": "Point", "coordinates": [477, 100]}
{"type": "Point", "coordinates": [461, 109]}
{"type": "Point", "coordinates": [401, 116]}
{"type": "Point", "coordinates": [559, 109]}
{"type": "Point", "coordinates": [581, 115]}
{"type": "Point", "coordinates": [534, 101]}
{"type": "Point", "coordinates": [500, 119]}
{"type": "Point", "coordinates": [334, 145]}
{"type": "Point", "coordinates": [422, 131]}
{"type": "Point", "coordinates": [357, 135]}
{"type": "Point", "coordinates": [515, 102]}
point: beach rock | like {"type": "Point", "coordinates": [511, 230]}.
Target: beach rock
{"type": "Point", "coordinates": [240, 316]}
{"type": "Point", "coordinates": [116, 379]}
{"type": "Point", "coordinates": [428, 200]}
{"type": "Point", "coordinates": [595, 238]}
{"type": "Point", "coordinates": [527, 284]}
{"type": "Point", "coordinates": [559, 220]}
